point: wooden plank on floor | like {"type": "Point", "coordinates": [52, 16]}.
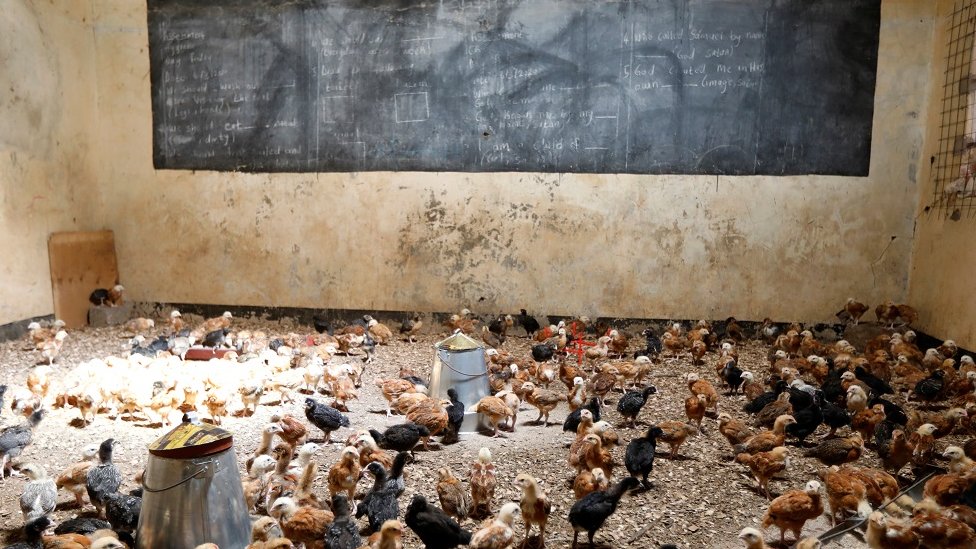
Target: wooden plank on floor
{"type": "Point", "coordinates": [80, 262]}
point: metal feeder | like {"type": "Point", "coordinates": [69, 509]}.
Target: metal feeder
{"type": "Point", "coordinates": [459, 362]}
{"type": "Point", "coordinates": [192, 492]}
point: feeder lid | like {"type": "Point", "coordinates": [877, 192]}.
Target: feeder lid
{"type": "Point", "coordinates": [192, 440]}
{"type": "Point", "coordinates": [458, 342]}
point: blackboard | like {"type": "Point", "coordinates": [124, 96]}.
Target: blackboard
{"type": "Point", "coordinates": [595, 86]}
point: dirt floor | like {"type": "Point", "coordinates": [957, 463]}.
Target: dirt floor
{"type": "Point", "coordinates": [702, 499]}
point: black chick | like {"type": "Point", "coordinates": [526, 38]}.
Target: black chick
{"type": "Point", "coordinates": [455, 417]}
{"type": "Point", "coordinates": [433, 526]}
{"type": "Point", "coordinates": [14, 439]}
{"type": "Point", "coordinates": [215, 338]}
{"type": "Point", "coordinates": [931, 388]}
{"type": "Point", "coordinates": [276, 343]}
{"type": "Point", "coordinates": [401, 438]}
{"type": "Point", "coordinates": [343, 533]}
{"type": "Point", "coordinates": [369, 347]}
{"type": "Point", "coordinates": [893, 412]}
{"type": "Point", "coordinates": [875, 383]}
{"type": "Point", "coordinates": [3, 392]}
{"type": "Point", "coordinates": [589, 514]}
{"type": "Point", "coordinates": [834, 416]}
{"type": "Point", "coordinates": [98, 297]}
{"type": "Point", "coordinates": [497, 326]}
{"type": "Point", "coordinates": [732, 375]}
{"type": "Point", "coordinates": [159, 344]}
{"type": "Point", "coordinates": [543, 352]}
{"type": "Point", "coordinates": [640, 454]}
{"type": "Point", "coordinates": [104, 478]}
{"type": "Point", "coordinates": [833, 390]}
{"type": "Point", "coordinates": [81, 525]}
{"type": "Point", "coordinates": [395, 478]}
{"type": "Point", "coordinates": [807, 421]}
{"type": "Point", "coordinates": [760, 402]}
{"type": "Point", "coordinates": [631, 404]}
{"type": "Point", "coordinates": [653, 345]}
{"type": "Point", "coordinates": [573, 419]}
{"type": "Point", "coordinates": [122, 511]}
{"type": "Point", "coordinates": [528, 323]}
{"type": "Point", "coordinates": [321, 323]}
{"type": "Point", "coordinates": [380, 503]}
{"type": "Point", "coordinates": [324, 417]}
{"type": "Point", "coordinates": [32, 534]}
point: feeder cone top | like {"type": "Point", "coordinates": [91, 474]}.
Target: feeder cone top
{"type": "Point", "coordinates": [458, 342]}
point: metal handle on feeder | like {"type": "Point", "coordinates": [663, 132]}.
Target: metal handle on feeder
{"type": "Point", "coordinates": [209, 468]}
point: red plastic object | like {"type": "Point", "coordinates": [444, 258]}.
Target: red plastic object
{"type": "Point", "coordinates": [205, 353]}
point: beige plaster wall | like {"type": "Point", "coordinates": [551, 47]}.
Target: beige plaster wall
{"type": "Point", "coordinates": [634, 246]}
{"type": "Point", "coordinates": [47, 120]}
{"type": "Point", "coordinates": [943, 273]}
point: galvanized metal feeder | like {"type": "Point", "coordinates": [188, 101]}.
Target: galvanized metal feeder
{"type": "Point", "coordinates": [459, 362]}
{"type": "Point", "coordinates": [192, 492]}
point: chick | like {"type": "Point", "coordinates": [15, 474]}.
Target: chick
{"type": "Point", "coordinates": [72, 478]}
{"type": "Point", "coordinates": [590, 513]}
{"type": "Point", "coordinates": [483, 482]}
{"type": "Point", "coordinates": [301, 524]}
{"type": "Point", "coordinates": [411, 327]}
{"type": "Point", "coordinates": [495, 409]}
{"type": "Point", "coordinates": [675, 433]}
{"type": "Point", "coordinates": [793, 509]}
{"type": "Point", "coordinates": [344, 475]}
{"type": "Point", "coordinates": [846, 493]}
{"type": "Point", "coordinates": [735, 431]}
{"type": "Point", "coordinates": [765, 465]}
{"type": "Point", "coordinates": [885, 532]}
{"type": "Point", "coordinates": [40, 493]}
{"type": "Point", "coordinates": [543, 400]}
{"type": "Point", "coordinates": [765, 441]}
{"type": "Point", "coordinates": [695, 409]}
{"type": "Point", "coordinates": [499, 533]}
{"type": "Point", "coordinates": [958, 461]}
{"type": "Point", "coordinates": [587, 482]}
{"type": "Point", "coordinates": [753, 539]}
{"type": "Point", "coordinates": [837, 451]}
{"type": "Point", "coordinates": [701, 387]}
{"type": "Point", "coordinates": [453, 496]}
{"type": "Point", "coordinates": [535, 507]}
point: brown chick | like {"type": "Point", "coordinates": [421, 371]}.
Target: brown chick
{"type": "Point", "coordinates": [499, 533]}
{"type": "Point", "coordinates": [793, 509]}
{"type": "Point", "coordinates": [853, 311]}
{"type": "Point", "coordinates": [140, 325]}
{"type": "Point", "coordinates": [698, 350]}
{"type": "Point", "coordinates": [601, 383]}
{"type": "Point", "coordinates": [944, 422]}
{"type": "Point", "coordinates": [895, 453]}
{"type": "Point", "coordinates": [275, 543]}
{"type": "Point", "coordinates": [922, 442]}
{"type": "Point", "coordinates": [880, 486]}
{"type": "Point", "coordinates": [482, 481]}
{"type": "Point", "coordinates": [535, 507]}
{"type": "Point", "coordinates": [695, 409]}
{"type": "Point", "coordinates": [432, 414]}
{"type": "Point", "coordinates": [74, 476]}
{"type": "Point", "coordinates": [393, 388]}
{"type": "Point", "coordinates": [66, 541]}
{"type": "Point", "coordinates": [765, 465]}
{"type": "Point", "coordinates": [587, 482]}
{"type": "Point", "coordinates": [595, 455]}
{"type": "Point", "coordinates": [301, 524]}
{"type": "Point", "coordinates": [937, 530]}
{"type": "Point", "coordinates": [765, 441]}
{"type": "Point", "coordinates": [885, 532]}
{"type": "Point", "coordinates": [866, 420]}
{"type": "Point", "coordinates": [543, 400]}
{"type": "Point", "coordinates": [379, 331]}
{"type": "Point", "coordinates": [675, 434]}
{"type": "Point", "coordinates": [779, 407]}
{"type": "Point", "coordinates": [949, 488]}
{"type": "Point", "coordinates": [344, 475]}
{"type": "Point", "coordinates": [846, 493]}
{"type": "Point", "coordinates": [838, 451]}
{"type": "Point", "coordinates": [390, 536]}
{"type": "Point", "coordinates": [699, 386]}
{"type": "Point", "coordinates": [734, 430]}
{"type": "Point", "coordinates": [412, 327]}
{"type": "Point", "coordinates": [369, 452]}
{"type": "Point", "coordinates": [216, 403]}
{"type": "Point", "coordinates": [453, 496]}
{"type": "Point", "coordinates": [293, 430]}
{"type": "Point", "coordinates": [495, 410]}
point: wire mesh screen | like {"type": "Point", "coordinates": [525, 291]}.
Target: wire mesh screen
{"type": "Point", "coordinates": [955, 165]}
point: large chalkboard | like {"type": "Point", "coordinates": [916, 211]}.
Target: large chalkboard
{"type": "Point", "coordinates": [608, 86]}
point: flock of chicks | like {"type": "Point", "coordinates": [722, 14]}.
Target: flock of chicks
{"type": "Point", "coordinates": [808, 384]}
